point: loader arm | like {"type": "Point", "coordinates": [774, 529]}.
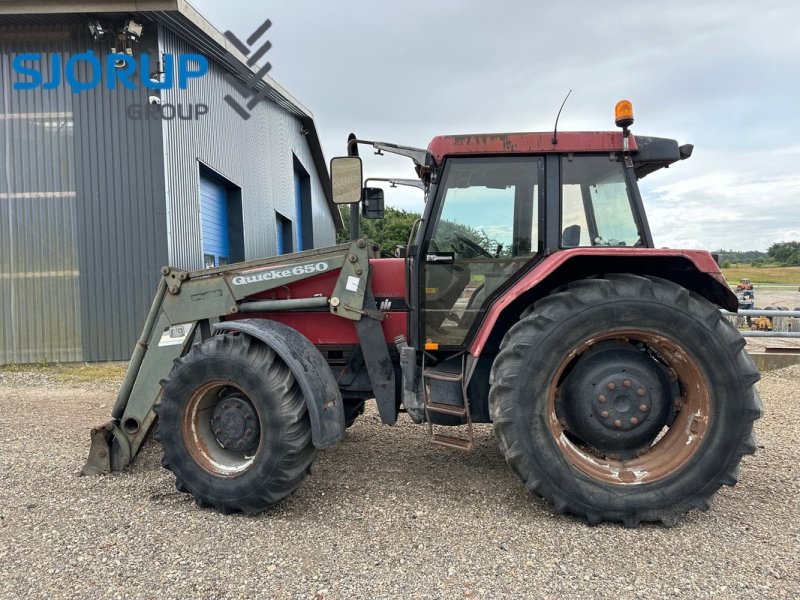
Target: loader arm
{"type": "Point", "coordinates": [188, 303]}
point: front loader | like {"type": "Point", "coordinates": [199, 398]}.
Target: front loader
{"type": "Point", "coordinates": [530, 295]}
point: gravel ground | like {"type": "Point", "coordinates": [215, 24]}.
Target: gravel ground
{"type": "Point", "coordinates": [385, 515]}
{"type": "Point", "coordinates": [790, 298]}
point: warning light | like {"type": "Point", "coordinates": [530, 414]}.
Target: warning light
{"type": "Point", "coordinates": [623, 114]}
{"type": "Point", "coordinates": [429, 345]}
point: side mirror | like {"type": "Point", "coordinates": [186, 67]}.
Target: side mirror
{"type": "Point", "coordinates": [346, 179]}
{"type": "Point", "coordinates": [372, 208]}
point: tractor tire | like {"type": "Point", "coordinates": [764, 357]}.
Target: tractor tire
{"type": "Point", "coordinates": [234, 426]}
{"type": "Point", "coordinates": [624, 398]}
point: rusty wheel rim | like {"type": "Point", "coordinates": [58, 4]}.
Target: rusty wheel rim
{"type": "Point", "coordinates": [673, 448]}
{"type": "Point", "coordinates": [200, 438]}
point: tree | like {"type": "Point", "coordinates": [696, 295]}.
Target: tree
{"type": "Point", "coordinates": [739, 256]}
{"type": "Point", "coordinates": [389, 232]}
{"type": "Point", "coordinates": [395, 227]}
{"type": "Point", "coordinates": [785, 253]}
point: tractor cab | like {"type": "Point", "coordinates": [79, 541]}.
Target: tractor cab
{"type": "Point", "coordinates": [498, 204]}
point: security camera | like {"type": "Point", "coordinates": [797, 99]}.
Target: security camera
{"type": "Point", "coordinates": [154, 101]}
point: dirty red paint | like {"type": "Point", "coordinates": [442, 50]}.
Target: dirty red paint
{"type": "Point", "coordinates": [527, 143]}
{"type": "Point", "coordinates": [322, 327]}
{"type": "Point", "coordinates": [701, 259]}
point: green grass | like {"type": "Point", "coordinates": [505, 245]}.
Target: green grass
{"type": "Point", "coordinates": [74, 372]}
{"type": "Point", "coordinates": [785, 275]}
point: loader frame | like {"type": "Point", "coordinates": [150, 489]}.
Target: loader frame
{"type": "Point", "coordinates": [190, 305]}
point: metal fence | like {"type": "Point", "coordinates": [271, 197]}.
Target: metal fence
{"type": "Point", "coordinates": [785, 323]}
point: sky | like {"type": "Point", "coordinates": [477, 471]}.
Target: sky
{"type": "Point", "coordinates": [723, 76]}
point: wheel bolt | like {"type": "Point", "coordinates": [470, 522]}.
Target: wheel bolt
{"type": "Point", "coordinates": [644, 407]}
{"type": "Point", "coordinates": [634, 421]}
{"type": "Point", "coordinates": [601, 398]}
{"type": "Point", "coordinates": [640, 392]}
{"type": "Point", "coordinates": [617, 423]}
{"type": "Point", "coordinates": [627, 383]}
{"type": "Point", "coordinates": [612, 385]}
{"type": "Point", "coordinates": [604, 414]}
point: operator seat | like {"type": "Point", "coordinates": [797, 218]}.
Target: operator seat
{"type": "Point", "coordinates": [446, 284]}
{"type": "Point", "coordinates": [571, 236]}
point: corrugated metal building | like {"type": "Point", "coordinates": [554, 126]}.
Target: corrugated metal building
{"type": "Point", "coordinates": [97, 192]}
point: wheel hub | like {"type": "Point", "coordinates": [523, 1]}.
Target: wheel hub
{"type": "Point", "coordinates": [235, 424]}
{"type": "Point", "coordinates": [616, 399]}
{"type": "Point", "coordinates": [622, 403]}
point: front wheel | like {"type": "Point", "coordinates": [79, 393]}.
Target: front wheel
{"type": "Point", "coordinates": [624, 399]}
{"type": "Point", "coordinates": [233, 425]}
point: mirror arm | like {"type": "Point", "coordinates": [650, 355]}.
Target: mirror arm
{"type": "Point", "coordinates": [394, 181]}
{"type": "Point", "coordinates": [421, 158]}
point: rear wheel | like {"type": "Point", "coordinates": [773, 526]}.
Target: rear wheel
{"type": "Point", "coordinates": [624, 399]}
{"type": "Point", "coordinates": [233, 425]}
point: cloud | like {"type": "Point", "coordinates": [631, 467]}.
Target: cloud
{"type": "Point", "coordinates": [721, 200]}
{"type": "Point", "coordinates": [721, 77]}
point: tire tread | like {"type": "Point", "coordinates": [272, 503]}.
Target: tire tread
{"type": "Point", "coordinates": [528, 331]}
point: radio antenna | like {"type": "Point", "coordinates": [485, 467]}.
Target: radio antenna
{"type": "Point", "coordinates": [555, 127]}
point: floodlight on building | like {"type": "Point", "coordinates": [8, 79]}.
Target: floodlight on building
{"type": "Point", "coordinates": [99, 33]}
{"type": "Point", "coordinates": [133, 30]}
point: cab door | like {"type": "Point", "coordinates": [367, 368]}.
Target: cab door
{"type": "Point", "coordinates": [481, 230]}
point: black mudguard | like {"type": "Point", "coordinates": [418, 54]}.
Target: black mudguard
{"type": "Point", "coordinates": [320, 390]}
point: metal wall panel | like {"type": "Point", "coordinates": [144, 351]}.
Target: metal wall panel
{"type": "Point", "coordinates": [121, 208]}
{"type": "Point", "coordinates": [82, 209]}
{"type": "Point", "coordinates": [39, 289]}
{"type": "Point", "coordinates": [87, 195]}
{"type": "Point", "coordinates": [256, 154]}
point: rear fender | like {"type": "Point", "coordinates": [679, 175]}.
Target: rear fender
{"type": "Point", "coordinates": [313, 375]}
{"type": "Point", "coordinates": [695, 270]}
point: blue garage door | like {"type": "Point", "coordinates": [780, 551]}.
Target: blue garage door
{"type": "Point", "coordinates": [298, 215]}
{"type": "Point", "coordinates": [214, 223]}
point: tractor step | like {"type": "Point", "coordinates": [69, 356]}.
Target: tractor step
{"type": "Point", "coordinates": [447, 409]}
{"type": "Point", "coordinates": [442, 375]}
{"type": "Point", "coordinates": [461, 411]}
{"type": "Point", "coordinates": [448, 441]}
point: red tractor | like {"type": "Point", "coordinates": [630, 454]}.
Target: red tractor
{"type": "Point", "coordinates": [530, 296]}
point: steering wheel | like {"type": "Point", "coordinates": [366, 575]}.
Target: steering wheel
{"type": "Point", "coordinates": [476, 248]}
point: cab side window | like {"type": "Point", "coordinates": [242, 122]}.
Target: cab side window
{"type": "Point", "coordinates": [596, 207]}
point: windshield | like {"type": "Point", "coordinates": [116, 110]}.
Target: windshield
{"type": "Point", "coordinates": [596, 208]}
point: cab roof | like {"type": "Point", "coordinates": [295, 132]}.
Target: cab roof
{"type": "Point", "coordinates": [649, 153]}
{"type": "Point", "coordinates": [527, 143]}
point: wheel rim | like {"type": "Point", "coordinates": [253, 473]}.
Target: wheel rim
{"type": "Point", "coordinates": [221, 429]}
{"type": "Point", "coordinates": [654, 451]}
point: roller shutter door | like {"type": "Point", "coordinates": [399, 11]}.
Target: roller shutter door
{"type": "Point", "coordinates": [214, 223]}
